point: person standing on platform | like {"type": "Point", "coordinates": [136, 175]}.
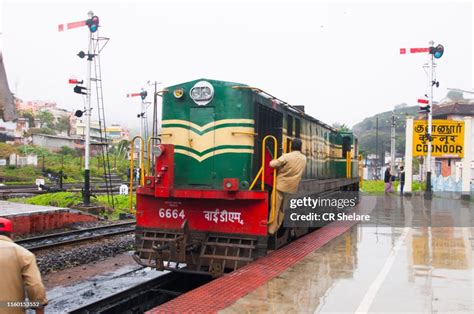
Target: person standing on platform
{"type": "Point", "coordinates": [388, 180]}
{"type": "Point", "coordinates": [402, 179]}
{"type": "Point", "coordinates": [18, 272]}
{"type": "Point", "coordinates": [290, 168]}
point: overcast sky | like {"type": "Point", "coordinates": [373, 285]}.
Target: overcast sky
{"type": "Point", "coordinates": [339, 59]}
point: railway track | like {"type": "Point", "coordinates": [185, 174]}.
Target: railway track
{"type": "Point", "coordinates": [7, 193]}
{"type": "Point", "coordinates": [146, 295]}
{"type": "Point", "coordinates": [76, 236]}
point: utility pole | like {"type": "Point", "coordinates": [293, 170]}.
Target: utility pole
{"type": "Point", "coordinates": [392, 145]}
{"type": "Point", "coordinates": [376, 147]}
{"type": "Point", "coordinates": [154, 133]}
{"type": "Point", "coordinates": [142, 116]}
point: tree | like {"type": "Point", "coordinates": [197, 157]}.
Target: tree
{"type": "Point", "coordinates": [6, 150]}
{"type": "Point", "coordinates": [122, 147]}
{"type": "Point", "coordinates": [46, 119]}
{"type": "Point", "coordinates": [46, 131]}
{"type": "Point", "coordinates": [28, 114]}
{"type": "Point", "coordinates": [63, 125]}
{"type": "Point", "coordinates": [341, 127]}
{"type": "Point", "coordinates": [67, 151]}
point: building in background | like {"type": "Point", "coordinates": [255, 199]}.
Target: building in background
{"type": "Point", "coordinates": [117, 133]}
{"type": "Point", "coordinates": [80, 129]}
{"type": "Point", "coordinates": [453, 110]}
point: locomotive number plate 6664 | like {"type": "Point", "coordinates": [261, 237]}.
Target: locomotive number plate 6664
{"type": "Point", "coordinates": [171, 213]}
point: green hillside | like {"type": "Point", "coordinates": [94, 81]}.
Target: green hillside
{"type": "Point", "coordinates": [366, 130]}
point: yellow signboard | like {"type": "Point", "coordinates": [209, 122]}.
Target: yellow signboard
{"type": "Point", "coordinates": [447, 138]}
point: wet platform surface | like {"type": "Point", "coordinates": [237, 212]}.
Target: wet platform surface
{"type": "Point", "coordinates": [371, 268]}
{"type": "Point", "coordinates": [413, 256]}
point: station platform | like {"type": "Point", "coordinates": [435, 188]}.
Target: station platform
{"type": "Point", "coordinates": [33, 218]}
{"type": "Point", "coordinates": [347, 267]}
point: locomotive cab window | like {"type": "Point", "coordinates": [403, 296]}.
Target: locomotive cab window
{"type": "Point", "coordinates": [297, 128]}
{"type": "Point", "coordinates": [289, 129]}
{"type": "Point", "coordinates": [289, 133]}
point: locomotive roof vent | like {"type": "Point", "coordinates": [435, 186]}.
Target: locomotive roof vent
{"type": "Point", "coordinates": [202, 93]}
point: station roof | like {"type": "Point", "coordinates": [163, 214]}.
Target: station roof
{"type": "Point", "coordinates": [463, 108]}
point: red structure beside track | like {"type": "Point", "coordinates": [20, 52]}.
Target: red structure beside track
{"type": "Point", "coordinates": [30, 218]}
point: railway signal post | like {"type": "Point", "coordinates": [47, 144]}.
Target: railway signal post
{"type": "Point", "coordinates": [93, 51]}
{"type": "Point", "coordinates": [434, 53]}
{"type": "Point", "coordinates": [87, 115]}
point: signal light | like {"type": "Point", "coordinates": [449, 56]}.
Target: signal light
{"type": "Point", "coordinates": [437, 51]}
{"type": "Point", "coordinates": [93, 23]}
{"type": "Point", "coordinates": [143, 94]}
{"type": "Point", "coordinates": [426, 108]}
{"type": "Point", "coordinates": [90, 56]}
{"type": "Point", "coordinates": [80, 90]}
{"type": "Point", "coordinates": [79, 113]}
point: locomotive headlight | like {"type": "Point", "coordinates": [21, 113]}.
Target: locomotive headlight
{"type": "Point", "coordinates": [202, 93]}
{"type": "Point", "coordinates": [178, 93]}
{"type": "Point", "coordinates": [196, 93]}
{"type": "Point", "coordinates": [206, 93]}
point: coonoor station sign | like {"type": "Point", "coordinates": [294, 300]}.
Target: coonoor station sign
{"type": "Point", "coordinates": [447, 138]}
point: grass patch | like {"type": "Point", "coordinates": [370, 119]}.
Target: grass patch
{"type": "Point", "coordinates": [59, 199]}
{"type": "Point", "coordinates": [69, 199]}
{"type": "Point", "coordinates": [70, 163]}
{"type": "Point", "coordinates": [371, 186]}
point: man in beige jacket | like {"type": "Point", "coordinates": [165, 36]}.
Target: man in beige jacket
{"type": "Point", "coordinates": [18, 271]}
{"type": "Point", "coordinates": [290, 168]}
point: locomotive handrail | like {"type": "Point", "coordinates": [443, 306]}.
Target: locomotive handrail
{"type": "Point", "coordinates": [261, 173]}
{"type": "Point", "coordinates": [348, 165]}
{"type": "Point", "coordinates": [245, 133]}
{"type": "Point", "coordinates": [255, 179]}
{"type": "Point", "coordinates": [149, 152]}
{"type": "Point", "coordinates": [132, 159]}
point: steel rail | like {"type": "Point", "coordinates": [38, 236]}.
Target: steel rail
{"type": "Point", "coordinates": [128, 228]}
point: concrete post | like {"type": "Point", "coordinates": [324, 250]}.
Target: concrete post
{"type": "Point", "coordinates": [466, 162]}
{"type": "Point", "coordinates": [408, 156]}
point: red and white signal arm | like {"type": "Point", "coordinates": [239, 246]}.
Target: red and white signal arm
{"type": "Point", "coordinates": [423, 101]}
{"type": "Point", "coordinates": [72, 25]}
{"type": "Point", "coordinates": [404, 51]}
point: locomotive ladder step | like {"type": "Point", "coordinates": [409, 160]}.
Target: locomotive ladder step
{"type": "Point", "coordinates": [224, 257]}
{"type": "Point", "coordinates": [222, 252]}
{"type": "Point", "coordinates": [234, 245]}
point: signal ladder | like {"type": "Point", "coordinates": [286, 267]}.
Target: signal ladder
{"type": "Point", "coordinates": [98, 43]}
